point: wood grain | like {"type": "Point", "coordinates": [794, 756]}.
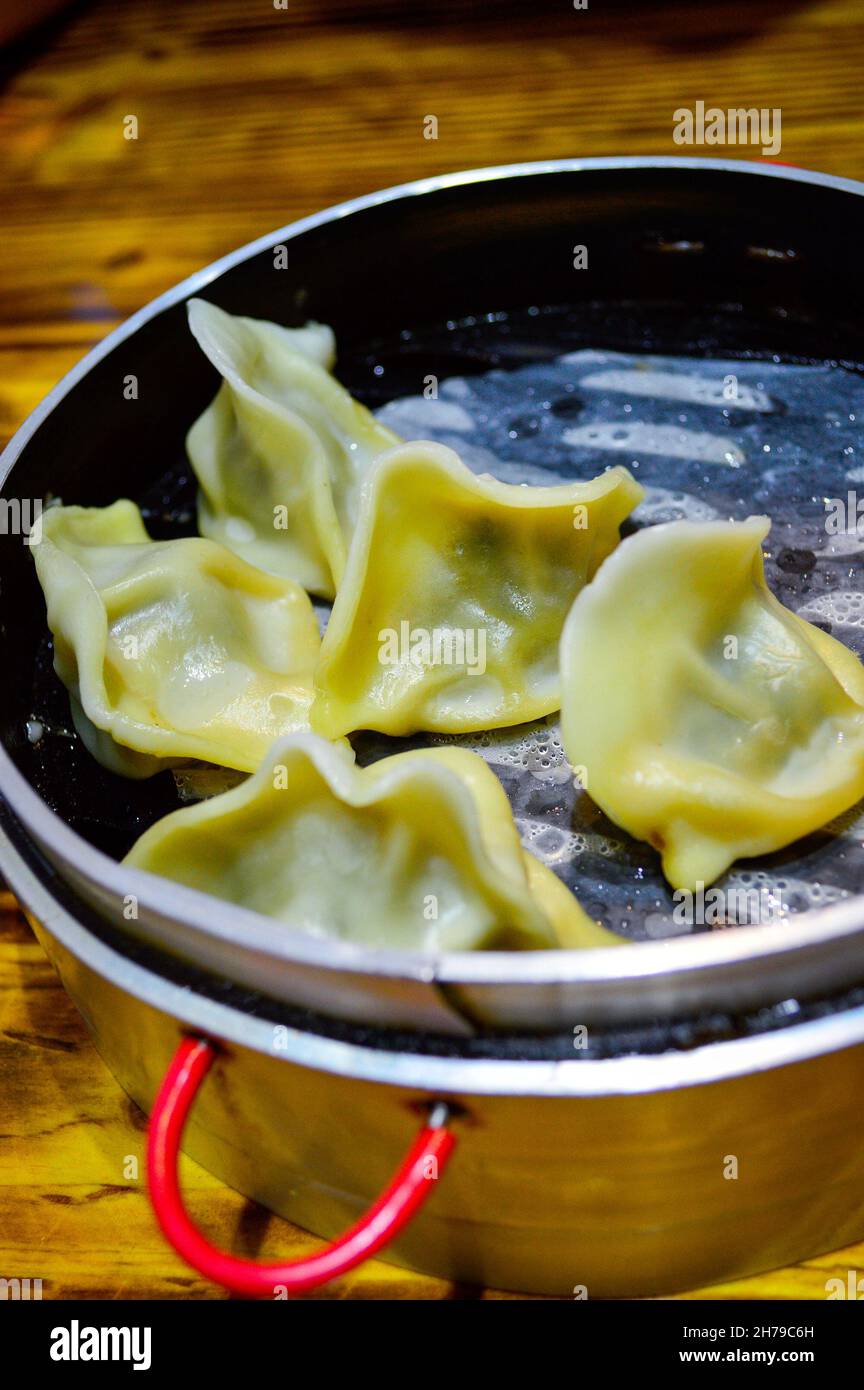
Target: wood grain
{"type": "Point", "coordinates": [248, 117]}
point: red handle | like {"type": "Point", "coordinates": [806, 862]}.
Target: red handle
{"type": "Point", "coordinates": [409, 1189]}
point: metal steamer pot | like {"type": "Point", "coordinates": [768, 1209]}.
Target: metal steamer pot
{"type": "Point", "coordinates": [603, 1167]}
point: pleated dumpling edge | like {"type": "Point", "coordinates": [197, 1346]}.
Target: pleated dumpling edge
{"type": "Point", "coordinates": [419, 851]}
{"type": "Point", "coordinates": [280, 451]}
{"type": "Point", "coordinates": [455, 593]}
{"type": "Point", "coordinates": [171, 650]}
{"type": "Point", "coordinates": [705, 717]}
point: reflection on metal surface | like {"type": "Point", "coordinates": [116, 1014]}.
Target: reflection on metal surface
{"type": "Point", "coordinates": [611, 1175]}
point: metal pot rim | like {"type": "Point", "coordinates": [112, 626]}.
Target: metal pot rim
{"type": "Point", "coordinates": [840, 925]}
{"type": "Point", "coordinates": [633, 1074]}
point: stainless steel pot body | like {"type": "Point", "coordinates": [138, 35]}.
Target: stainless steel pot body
{"type": "Point", "coordinates": [638, 1175]}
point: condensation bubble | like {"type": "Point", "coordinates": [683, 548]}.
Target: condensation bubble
{"type": "Point", "coordinates": [535, 749]}
{"type": "Point", "coordinates": [650, 381]}
{"type": "Point", "coordinates": [661, 504]}
{"type": "Point", "coordinates": [840, 607]}
{"type": "Point", "coordinates": [669, 440]}
{"type": "Point", "coordinates": [415, 417]}
{"type": "Point", "coordinates": [555, 845]}
{"type": "Point", "coordinates": [784, 894]}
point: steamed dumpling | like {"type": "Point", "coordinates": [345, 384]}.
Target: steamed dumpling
{"type": "Point", "coordinates": [711, 721]}
{"type": "Point", "coordinates": [279, 452]}
{"type": "Point", "coordinates": [418, 851]}
{"type": "Point", "coordinates": [171, 649]}
{"type": "Point", "coordinates": [455, 593]}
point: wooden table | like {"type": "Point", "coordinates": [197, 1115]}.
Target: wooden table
{"type": "Point", "coordinates": [249, 116]}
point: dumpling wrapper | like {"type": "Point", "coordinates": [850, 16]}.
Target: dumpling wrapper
{"type": "Point", "coordinates": [279, 452]}
{"type": "Point", "coordinates": [707, 755]}
{"type": "Point", "coordinates": [445, 565]}
{"type": "Point", "coordinates": [418, 852]}
{"type": "Point", "coordinates": [171, 649]}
